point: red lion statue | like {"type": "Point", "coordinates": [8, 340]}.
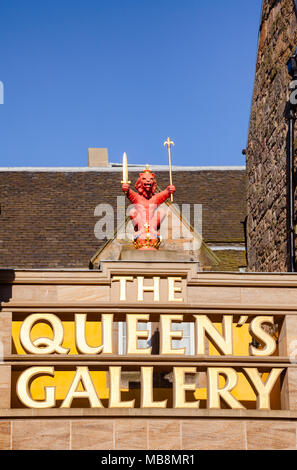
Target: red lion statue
{"type": "Point", "coordinates": [145, 218]}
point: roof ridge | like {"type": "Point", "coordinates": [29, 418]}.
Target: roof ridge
{"type": "Point", "coordinates": [118, 168]}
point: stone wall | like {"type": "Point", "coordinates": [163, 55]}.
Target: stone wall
{"type": "Point", "coordinates": [84, 426]}
{"type": "Point", "coordinates": [267, 140]}
{"type": "Point", "coordinates": [139, 434]}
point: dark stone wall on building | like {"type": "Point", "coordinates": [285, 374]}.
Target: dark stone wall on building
{"type": "Point", "coordinates": [267, 146]}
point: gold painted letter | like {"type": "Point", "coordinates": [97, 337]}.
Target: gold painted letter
{"type": "Point", "coordinates": [180, 388]}
{"type": "Point", "coordinates": [106, 323]}
{"type": "Point", "coordinates": [262, 336]}
{"type": "Point", "coordinates": [262, 389]}
{"type": "Point", "coordinates": [172, 289]}
{"type": "Point", "coordinates": [133, 334]}
{"type": "Point", "coordinates": [23, 390]}
{"type": "Point", "coordinates": [204, 327]}
{"type": "Point", "coordinates": [115, 390]}
{"type": "Point", "coordinates": [82, 376]}
{"type": "Point", "coordinates": [155, 288]}
{"type": "Point", "coordinates": [48, 345]}
{"type": "Point", "coordinates": [122, 279]}
{"type": "Point", "coordinates": [147, 399]}
{"type": "Point", "coordinates": [214, 391]}
{"type": "Point", "coordinates": [166, 334]}
{"type": "Point", "coordinates": [80, 334]}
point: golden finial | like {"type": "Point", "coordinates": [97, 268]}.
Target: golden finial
{"type": "Point", "coordinates": [168, 142]}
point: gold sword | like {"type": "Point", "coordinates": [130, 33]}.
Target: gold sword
{"type": "Point", "coordinates": [125, 169]}
{"type": "Point", "coordinates": [169, 142]}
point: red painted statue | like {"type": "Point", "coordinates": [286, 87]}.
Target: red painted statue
{"type": "Point", "coordinates": [145, 217]}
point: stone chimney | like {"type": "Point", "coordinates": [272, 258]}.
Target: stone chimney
{"type": "Point", "coordinates": [98, 157]}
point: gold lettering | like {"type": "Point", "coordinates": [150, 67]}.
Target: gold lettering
{"type": "Point", "coordinates": [262, 390]}
{"type": "Point", "coordinates": [107, 322]}
{"type": "Point", "coordinates": [122, 280]}
{"type": "Point", "coordinates": [23, 388]}
{"type": "Point", "coordinates": [180, 388]}
{"type": "Point", "coordinates": [214, 392]}
{"type": "Point", "coordinates": [172, 289]}
{"type": "Point", "coordinates": [82, 375]}
{"type": "Point", "coordinates": [262, 336]}
{"type": "Point", "coordinates": [147, 400]}
{"type": "Point", "coordinates": [204, 327]}
{"type": "Point", "coordinates": [166, 334]}
{"type": "Point", "coordinates": [80, 334]}
{"type": "Point", "coordinates": [155, 288]}
{"type": "Point", "coordinates": [133, 334]}
{"type": "Point", "coordinates": [115, 400]}
{"type": "Point", "coordinates": [51, 345]}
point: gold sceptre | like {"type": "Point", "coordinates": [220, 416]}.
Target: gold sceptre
{"type": "Point", "coordinates": [169, 142]}
{"type": "Point", "coordinates": [125, 169]}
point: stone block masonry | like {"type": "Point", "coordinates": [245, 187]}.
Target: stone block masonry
{"type": "Point", "coordinates": [267, 140]}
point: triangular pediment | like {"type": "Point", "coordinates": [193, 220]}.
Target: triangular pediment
{"type": "Point", "coordinates": [180, 240]}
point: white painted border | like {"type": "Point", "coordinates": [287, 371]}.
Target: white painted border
{"type": "Point", "coordinates": [118, 169]}
{"type": "Point", "coordinates": [226, 247]}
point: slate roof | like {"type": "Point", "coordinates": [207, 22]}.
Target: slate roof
{"type": "Point", "coordinates": [47, 216]}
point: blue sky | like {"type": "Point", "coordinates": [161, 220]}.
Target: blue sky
{"type": "Point", "coordinates": [125, 74]}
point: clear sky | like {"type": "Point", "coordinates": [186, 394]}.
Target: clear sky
{"type": "Point", "coordinates": [126, 74]}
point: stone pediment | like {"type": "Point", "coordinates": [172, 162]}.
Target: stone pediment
{"type": "Point", "coordinates": [180, 242]}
